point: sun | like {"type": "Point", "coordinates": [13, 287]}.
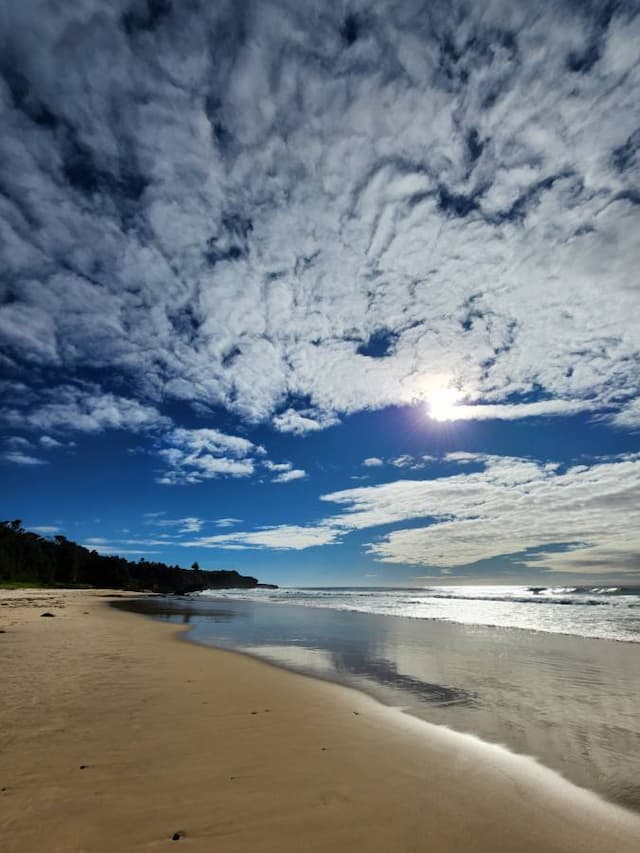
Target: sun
{"type": "Point", "coordinates": [442, 404]}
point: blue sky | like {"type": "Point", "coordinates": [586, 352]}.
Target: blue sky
{"type": "Point", "coordinates": [337, 293]}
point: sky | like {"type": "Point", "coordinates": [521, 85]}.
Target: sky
{"type": "Point", "coordinates": [328, 293]}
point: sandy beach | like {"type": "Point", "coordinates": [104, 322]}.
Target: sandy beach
{"type": "Point", "coordinates": [115, 735]}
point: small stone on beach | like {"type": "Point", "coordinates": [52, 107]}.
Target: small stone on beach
{"type": "Point", "coordinates": [83, 766]}
{"type": "Point", "coordinates": [176, 836]}
{"type": "Point", "coordinates": [51, 615]}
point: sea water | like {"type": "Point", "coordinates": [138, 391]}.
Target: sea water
{"type": "Point", "coordinates": [606, 612]}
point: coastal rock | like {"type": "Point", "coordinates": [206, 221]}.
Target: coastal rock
{"type": "Point", "coordinates": [50, 615]}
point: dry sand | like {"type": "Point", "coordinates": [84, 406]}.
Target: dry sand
{"type": "Point", "coordinates": [114, 736]}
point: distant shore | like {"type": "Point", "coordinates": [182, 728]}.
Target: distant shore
{"type": "Point", "coordinates": [117, 737]}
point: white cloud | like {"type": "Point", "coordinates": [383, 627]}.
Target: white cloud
{"type": "Point", "coordinates": [284, 471]}
{"type": "Point", "coordinates": [280, 538]}
{"type": "Point", "coordinates": [49, 442]}
{"type": "Point", "coordinates": [45, 529]}
{"type": "Point", "coordinates": [509, 507]}
{"type": "Point", "coordinates": [83, 408]}
{"type": "Point", "coordinates": [17, 457]}
{"type": "Point", "coordinates": [582, 519]}
{"type": "Point", "coordinates": [114, 548]}
{"type": "Point", "coordinates": [307, 420]}
{"type": "Point", "coordinates": [277, 466]}
{"type": "Point", "coordinates": [189, 524]}
{"type": "Point", "coordinates": [629, 416]}
{"type": "Point", "coordinates": [406, 461]}
{"type": "Point", "coordinates": [281, 208]}
{"type": "Point", "coordinates": [510, 412]}
{"type": "Point", "coordinates": [202, 454]}
{"type": "Point", "coordinates": [288, 476]}
{"type": "Point", "coordinates": [17, 442]}
{"type": "Point", "coordinates": [227, 522]}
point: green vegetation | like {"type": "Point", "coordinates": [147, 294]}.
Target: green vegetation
{"type": "Point", "coordinates": [27, 559]}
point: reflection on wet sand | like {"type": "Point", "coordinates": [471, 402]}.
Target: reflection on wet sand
{"type": "Point", "coordinates": [571, 702]}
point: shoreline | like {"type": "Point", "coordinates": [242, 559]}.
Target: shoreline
{"type": "Point", "coordinates": [434, 619]}
{"type": "Point", "coordinates": [568, 701]}
{"type": "Point", "coordinates": [116, 737]}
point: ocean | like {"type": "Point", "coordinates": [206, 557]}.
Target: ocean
{"type": "Point", "coordinates": [553, 673]}
{"type": "Point", "coordinates": [610, 613]}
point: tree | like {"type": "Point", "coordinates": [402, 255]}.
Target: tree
{"type": "Point", "coordinates": [195, 566]}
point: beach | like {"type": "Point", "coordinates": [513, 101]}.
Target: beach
{"type": "Point", "coordinates": [116, 735]}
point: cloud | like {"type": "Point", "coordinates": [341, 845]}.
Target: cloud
{"type": "Point", "coordinates": [83, 408]}
{"type": "Point", "coordinates": [289, 476]}
{"type": "Point", "coordinates": [372, 462]}
{"type": "Point", "coordinates": [576, 519]}
{"type": "Point", "coordinates": [17, 457]}
{"type": "Point", "coordinates": [115, 549]}
{"type": "Point", "coordinates": [405, 460]}
{"type": "Point", "coordinates": [255, 212]}
{"type": "Point", "coordinates": [190, 524]}
{"type": "Point", "coordinates": [629, 416]}
{"type": "Point", "coordinates": [281, 538]}
{"type": "Point", "coordinates": [515, 411]}
{"type": "Point", "coordinates": [284, 471]}
{"type": "Point", "coordinates": [301, 422]}
{"type": "Point", "coordinates": [194, 455]}
{"type": "Point", "coordinates": [583, 516]}
{"type": "Point", "coordinates": [17, 442]}
{"type": "Point", "coordinates": [45, 529]}
{"type": "Point", "coordinates": [49, 442]}
{"type": "Point", "coordinates": [276, 466]}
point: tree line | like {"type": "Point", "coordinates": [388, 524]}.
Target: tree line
{"type": "Point", "coordinates": [27, 558]}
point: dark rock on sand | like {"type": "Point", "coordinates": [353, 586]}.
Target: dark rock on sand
{"type": "Point", "coordinates": [51, 615]}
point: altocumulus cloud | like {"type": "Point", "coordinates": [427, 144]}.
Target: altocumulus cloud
{"type": "Point", "coordinates": [254, 206]}
{"type": "Point", "coordinates": [510, 506]}
{"type": "Point", "coordinates": [194, 455]}
{"type": "Point", "coordinates": [284, 471]}
{"type": "Point", "coordinates": [84, 407]}
{"type": "Point", "coordinates": [580, 519]}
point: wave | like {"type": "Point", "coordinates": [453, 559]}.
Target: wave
{"type": "Point", "coordinates": [606, 612]}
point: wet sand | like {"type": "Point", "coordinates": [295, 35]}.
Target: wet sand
{"type": "Point", "coordinates": [114, 736]}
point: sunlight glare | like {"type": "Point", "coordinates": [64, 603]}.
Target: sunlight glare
{"type": "Point", "coordinates": [442, 404]}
